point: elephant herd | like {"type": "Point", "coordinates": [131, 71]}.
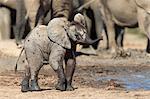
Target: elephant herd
{"type": "Point", "coordinates": [109, 16]}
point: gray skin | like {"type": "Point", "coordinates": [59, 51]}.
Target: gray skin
{"type": "Point", "coordinates": [125, 13]}
{"type": "Point", "coordinates": [91, 11]}
{"type": "Point", "coordinates": [52, 43]}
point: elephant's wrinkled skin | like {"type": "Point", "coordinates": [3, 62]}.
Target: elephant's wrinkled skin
{"type": "Point", "coordinates": [125, 13]}
{"type": "Point", "coordinates": [52, 43]}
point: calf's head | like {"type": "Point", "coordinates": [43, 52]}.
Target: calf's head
{"type": "Point", "coordinates": [77, 31]}
{"type": "Point", "coordinates": [74, 32]}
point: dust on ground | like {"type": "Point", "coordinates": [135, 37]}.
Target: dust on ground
{"type": "Point", "coordinates": [96, 77]}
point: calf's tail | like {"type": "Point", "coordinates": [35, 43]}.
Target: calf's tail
{"type": "Point", "coordinates": [18, 59]}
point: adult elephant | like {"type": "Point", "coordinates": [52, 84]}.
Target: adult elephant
{"type": "Point", "coordinates": [118, 14]}
{"type": "Point", "coordinates": [91, 11]}
{"type": "Point", "coordinates": [31, 11]}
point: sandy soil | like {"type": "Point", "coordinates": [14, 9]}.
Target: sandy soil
{"type": "Point", "coordinates": [96, 77]}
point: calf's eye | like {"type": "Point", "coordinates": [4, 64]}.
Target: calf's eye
{"type": "Point", "coordinates": [77, 36]}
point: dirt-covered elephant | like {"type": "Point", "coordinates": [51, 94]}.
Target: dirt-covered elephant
{"type": "Point", "coordinates": [51, 43]}
{"type": "Point", "coordinates": [118, 14]}
{"type": "Point", "coordinates": [91, 11]}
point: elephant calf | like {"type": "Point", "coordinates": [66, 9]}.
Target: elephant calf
{"type": "Point", "coordinates": [50, 43]}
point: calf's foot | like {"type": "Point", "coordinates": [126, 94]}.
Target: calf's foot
{"type": "Point", "coordinates": [61, 86]}
{"type": "Point", "coordinates": [34, 86]}
{"type": "Point", "coordinates": [25, 85]}
{"type": "Point", "coordinates": [69, 87]}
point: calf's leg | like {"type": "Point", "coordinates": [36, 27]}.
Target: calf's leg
{"type": "Point", "coordinates": [56, 61]}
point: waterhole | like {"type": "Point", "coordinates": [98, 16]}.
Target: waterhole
{"type": "Point", "coordinates": [130, 81]}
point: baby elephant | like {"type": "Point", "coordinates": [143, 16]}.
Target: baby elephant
{"type": "Point", "coordinates": [50, 43]}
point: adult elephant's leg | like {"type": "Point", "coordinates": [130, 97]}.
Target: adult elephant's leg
{"type": "Point", "coordinates": [106, 37]}
{"type": "Point", "coordinates": [148, 46]}
{"type": "Point", "coordinates": [111, 36]}
{"type": "Point", "coordinates": [98, 18]}
{"type": "Point", "coordinates": [70, 62]}
{"type": "Point", "coordinates": [32, 7]}
{"type": "Point", "coordinates": [144, 24]}
{"type": "Point", "coordinates": [39, 18]}
{"type": "Point", "coordinates": [88, 22]}
{"type": "Point", "coordinates": [56, 61]}
{"type": "Point", "coordinates": [44, 12]}
{"type": "Point", "coordinates": [119, 40]}
{"type": "Point", "coordinates": [119, 35]}
{"type": "Point", "coordinates": [5, 24]}
{"type": "Point", "coordinates": [147, 27]}
{"type": "Point", "coordinates": [110, 27]}
{"type": "Point", "coordinates": [19, 29]}
{"type": "Point", "coordinates": [47, 18]}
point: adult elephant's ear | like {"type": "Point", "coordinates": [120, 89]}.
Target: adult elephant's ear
{"type": "Point", "coordinates": [57, 33]}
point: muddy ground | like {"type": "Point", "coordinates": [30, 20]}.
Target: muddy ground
{"type": "Point", "coordinates": [96, 77]}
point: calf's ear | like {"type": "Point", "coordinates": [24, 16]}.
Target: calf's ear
{"type": "Point", "coordinates": [79, 18]}
{"type": "Point", "coordinates": [59, 36]}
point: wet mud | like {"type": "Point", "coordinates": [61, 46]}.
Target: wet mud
{"type": "Point", "coordinates": [96, 71]}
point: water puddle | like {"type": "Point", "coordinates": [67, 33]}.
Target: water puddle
{"type": "Point", "coordinates": [131, 81]}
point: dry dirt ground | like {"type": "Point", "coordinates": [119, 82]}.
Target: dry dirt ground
{"type": "Point", "coordinates": [96, 77]}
